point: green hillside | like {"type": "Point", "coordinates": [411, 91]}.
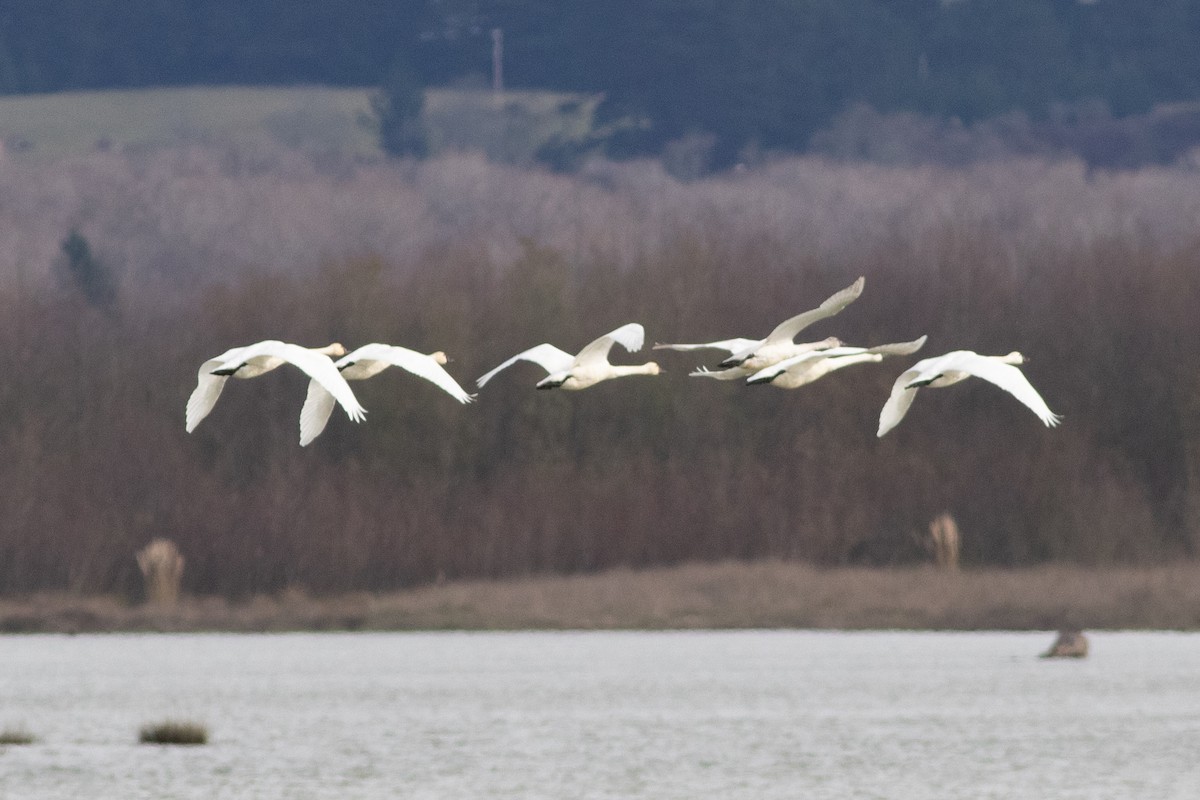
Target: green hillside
{"type": "Point", "coordinates": [317, 119]}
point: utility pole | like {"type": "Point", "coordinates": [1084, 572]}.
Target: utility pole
{"type": "Point", "coordinates": [497, 61]}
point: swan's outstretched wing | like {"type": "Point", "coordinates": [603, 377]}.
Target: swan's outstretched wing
{"type": "Point", "coordinates": [899, 348]}
{"type": "Point", "coordinates": [204, 396]}
{"type": "Point", "coordinates": [547, 356]}
{"type": "Point", "coordinates": [899, 400]}
{"type": "Point", "coordinates": [630, 336]}
{"type": "Point", "coordinates": [320, 368]}
{"type": "Point", "coordinates": [731, 374]}
{"type": "Point", "coordinates": [786, 331]}
{"type": "Point", "coordinates": [729, 345]}
{"type": "Point", "coordinates": [314, 416]}
{"type": "Point", "coordinates": [1010, 379]}
{"type": "Point", "coordinates": [419, 364]}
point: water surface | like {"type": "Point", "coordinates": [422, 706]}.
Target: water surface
{"type": "Point", "coordinates": [750, 714]}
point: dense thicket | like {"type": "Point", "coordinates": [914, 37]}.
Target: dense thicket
{"type": "Point", "coordinates": [763, 75]}
{"type": "Point", "coordinates": [1095, 276]}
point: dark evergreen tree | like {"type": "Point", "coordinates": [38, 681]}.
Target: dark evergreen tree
{"type": "Point", "coordinates": [398, 105]}
{"type": "Point", "coordinates": [86, 273]}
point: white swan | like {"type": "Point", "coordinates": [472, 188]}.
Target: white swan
{"type": "Point", "coordinates": [587, 368]}
{"type": "Point", "coordinates": [367, 362]}
{"type": "Point", "coordinates": [254, 360]}
{"type": "Point", "coordinates": [756, 354]}
{"type": "Point", "coordinates": [801, 370]}
{"type": "Point", "coordinates": [957, 366]}
{"type": "Point", "coordinates": [801, 351]}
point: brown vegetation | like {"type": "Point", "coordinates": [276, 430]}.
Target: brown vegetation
{"type": "Point", "coordinates": [16, 736]}
{"type": "Point", "coordinates": [1069, 644]}
{"type": "Point", "coordinates": [1095, 276]}
{"type": "Point", "coordinates": [765, 594]}
{"type": "Point", "coordinates": [173, 732]}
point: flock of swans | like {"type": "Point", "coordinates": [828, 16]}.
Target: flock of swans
{"type": "Point", "coordinates": [778, 360]}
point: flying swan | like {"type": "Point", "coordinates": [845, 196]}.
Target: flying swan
{"type": "Point", "coordinates": [367, 362]}
{"type": "Point", "coordinates": [957, 366]}
{"type": "Point", "coordinates": [586, 369]}
{"type": "Point", "coordinates": [801, 370]}
{"type": "Point", "coordinates": [254, 360]}
{"type": "Point", "coordinates": [752, 355]}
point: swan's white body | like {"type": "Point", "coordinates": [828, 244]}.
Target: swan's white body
{"type": "Point", "coordinates": [367, 362]}
{"type": "Point", "coordinates": [589, 367]}
{"type": "Point", "coordinates": [801, 370]}
{"type": "Point", "coordinates": [262, 357]}
{"type": "Point", "coordinates": [957, 366]}
{"type": "Point", "coordinates": [753, 355]}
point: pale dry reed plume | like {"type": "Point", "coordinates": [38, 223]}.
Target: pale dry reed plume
{"type": "Point", "coordinates": [162, 572]}
{"type": "Point", "coordinates": [943, 541]}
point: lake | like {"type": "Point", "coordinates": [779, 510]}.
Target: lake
{"type": "Point", "coordinates": [723, 714]}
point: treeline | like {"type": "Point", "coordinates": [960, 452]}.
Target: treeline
{"type": "Point", "coordinates": [766, 76]}
{"type": "Point", "coordinates": [1095, 278]}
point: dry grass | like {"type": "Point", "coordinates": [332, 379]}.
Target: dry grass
{"type": "Point", "coordinates": [769, 594]}
{"type": "Point", "coordinates": [174, 732]}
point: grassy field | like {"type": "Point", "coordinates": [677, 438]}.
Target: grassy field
{"type": "Point", "coordinates": [321, 119]}
{"type": "Point", "coordinates": [767, 594]}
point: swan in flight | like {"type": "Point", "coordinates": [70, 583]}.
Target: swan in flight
{"type": "Point", "coordinates": [797, 371]}
{"type": "Point", "coordinates": [832, 345]}
{"type": "Point", "coordinates": [756, 354]}
{"type": "Point", "coordinates": [367, 362]}
{"type": "Point", "coordinates": [587, 368]}
{"type": "Point", "coordinates": [957, 366]}
{"type": "Point", "coordinates": [255, 359]}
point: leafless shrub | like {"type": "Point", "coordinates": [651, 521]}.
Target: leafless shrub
{"type": "Point", "coordinates": [1092, 274]}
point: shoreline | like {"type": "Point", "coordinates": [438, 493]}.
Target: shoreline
{"type": "Point", "coordinates": [725, 595]}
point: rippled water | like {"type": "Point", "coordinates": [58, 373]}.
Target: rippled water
{"type": "Point", "coordinates": [756, 714]}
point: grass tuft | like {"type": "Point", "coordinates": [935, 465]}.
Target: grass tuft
{"type": "Point", "coordinates": [174, 732]}
{"type": "Point", "coordinates": [13, 736]}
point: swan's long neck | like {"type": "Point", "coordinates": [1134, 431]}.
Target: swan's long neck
{"type": "Point", "coordinates": [333, 350]}
{"type": "Point", "coordinates": [649, 368]}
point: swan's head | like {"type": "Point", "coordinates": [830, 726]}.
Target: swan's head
{"type": "Point", "coordinates": [440, 357]}
{"type": "Point", "coordinates": [334, 350]}
{"type": "Point", "coordinates": [652, 368]}
{"type": "Point", "coordinates": [1014, 358]}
